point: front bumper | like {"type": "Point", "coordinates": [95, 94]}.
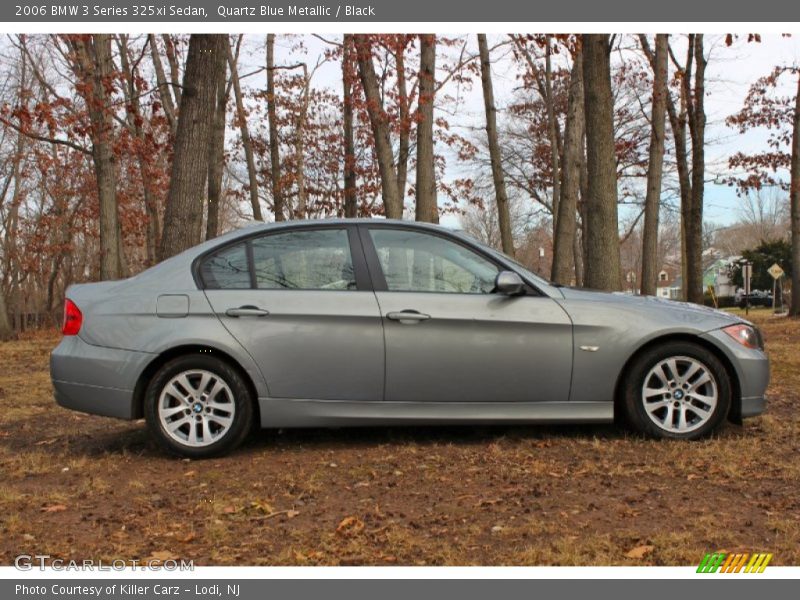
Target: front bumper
{"type": "Point", "coordinates": [752, 373]}
{"type": "Point", "coordinates": [95, 379]}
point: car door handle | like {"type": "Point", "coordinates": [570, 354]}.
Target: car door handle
{"type": "Point", "coordinates": [247, 311]}
{"type": "Point", "coordinates": [407, 316]}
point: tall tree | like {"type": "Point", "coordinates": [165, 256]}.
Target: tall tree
{"type": "Point", "coordinates": [564, 242]}
{"type": "Point", "coordinates": [392, 201]}
{"type": "Point", "coordinates": [274, 143]}
{"type": "Point", "coordinates": [216, 147]}
{"type": "Point", "coordinates": [92, 64]}
{"type": "Point", "coordinates": [6, 331]}
{"type": "Point", "coordinates": [495, 156]}
{"type": "Point", "coordinates": [427, 209]}
{"type": "Point", "coordinates": [602, 269]}
{"type": "Point", "coordinates": [655, 167]}
{"type": "Point", "coordinates": [135, 121]}
{"type": "Point", "coordinates": [692, 215]}
{"type": "Point", "coordinates": [350, 199]}
{"type": "Point", "coordinates": [183, 215]}
{"type": "Point", "coordinates": [794, 201]}
{"type": "Point", "coordinates": [241, 117]}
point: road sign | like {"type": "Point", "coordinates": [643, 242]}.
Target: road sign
{"type": "Point", "coordinates": [776, 271]}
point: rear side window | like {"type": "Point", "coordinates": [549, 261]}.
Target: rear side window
{"type": "Point", "coordinates": [304, 260]}
{"type": "Point", "coordinates": [227, 269]}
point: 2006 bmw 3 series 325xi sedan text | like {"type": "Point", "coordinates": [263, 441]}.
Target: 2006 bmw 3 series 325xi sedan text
{"type": "Point", "coordinates": [367, 322]}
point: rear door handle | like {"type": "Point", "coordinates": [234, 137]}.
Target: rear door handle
{"type": "Point", "coordinates": [247, 311]}
{"type": "Point", "coordinates": [407, 316]}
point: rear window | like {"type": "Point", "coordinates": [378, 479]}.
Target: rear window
{"type": "Point", "coordinates": [227, 269]}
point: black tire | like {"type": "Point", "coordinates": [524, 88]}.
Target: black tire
{"type": "Point", "coordinates": [633, 402]}
{"type": "Point", "coordinates": [237, 396]}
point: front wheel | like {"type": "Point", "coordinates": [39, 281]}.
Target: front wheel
{"type": "Point", "coordinates": [677, 390]}
{"type": "Point", "coordinates": [198, 406]}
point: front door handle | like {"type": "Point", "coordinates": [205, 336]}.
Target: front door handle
{"type": "Point", "coordinates": [407, 316]}
{"type": "Point", "coordinates": [247, 311]}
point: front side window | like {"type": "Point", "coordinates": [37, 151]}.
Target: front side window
{"type": "Point", "coordinates": [304, 260]}
{"type": "Point", "coordinates": [419, 262]}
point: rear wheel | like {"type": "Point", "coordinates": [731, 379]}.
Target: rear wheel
{"type": "Point", "coordinates": [198, 406]}
{"type": "Point", "coordinates": [677, 390]}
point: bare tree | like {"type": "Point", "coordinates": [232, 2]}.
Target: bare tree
{"type": "Point", "coordinates": [183, 215]}
{"type": "Point", "coordinates": [602, 229]}
{"type": "Point", "coordinates": [564, 242]}
{"type": "Point", "coordinates": [216, 147]}
{"type": "Point", "coordinates": [795, 206]}
{"type": "Point", "coordinates": [92, 64]}
{"type": "Point", "coordinates": [500, 193]}
{"type": "Point", "coordinates": [427, 209]}
{"type": "Point", "coordinates": [392, 201]}
{"type": "Point", "coordinates": [350, 200]}
{"type": "Point", "coordinates": [655, 167]}
{"type": "Point", "coordinates": [241, 117]}
{"type": "Point", "coordinates": [274, 144]}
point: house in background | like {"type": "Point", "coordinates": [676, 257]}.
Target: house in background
{"type": "Point", "coordinates": [669, 283]}
{"type": "Point", "coordinates": [717, 276]}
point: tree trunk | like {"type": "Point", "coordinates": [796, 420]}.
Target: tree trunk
{"type": "Point", "coordinates": [405, 119]}
{"type": "Point", "coordinates": [299, 146]}
{"type": "Point", "coordinates": [392, 202]}
{"type": "Point", "coordinates": [272, 119]}
{"type": "Point", "coordinates": [241, 116]}
{"type": "Point", "coordinates": [655, 167]}
{"type": "Point", "coordinates": [94, 68]}
{"type": "Point", "coordinates": [427, 208]}
{"type": "Point", "coordinates": [134, 120]}
{"type": "Point", "coordinates": [184, 210]}
{"type": "Point", "coordinates": [164, 91]}
{"type": "Point", "coordinates": [495, 156]}
{"type": "Point", "coordinates": [795, 206]}
{"type": "Point", "coordinates": [564, 259]}
{"type": "Point", "coordinates": [552, 126]}
{"type": "Point", "coordinates": [216, 149]}
{"type": "Point", "coordinates": [603, 265]}
{"type": "Point", "coordinates": [694, 213]}
{"type": "Point", "coordinates": [350, 200]}
{"type": "Point", "coordinates": [6, 331]}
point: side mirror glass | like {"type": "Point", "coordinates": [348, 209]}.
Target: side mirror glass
{"type": "Point", "coordinates": [509, 283]}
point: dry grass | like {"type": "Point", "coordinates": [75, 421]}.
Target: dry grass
{"type": "Point", "coordinates": [77, 486]}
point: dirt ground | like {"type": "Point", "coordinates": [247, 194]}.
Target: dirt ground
{"type": "Point", "coordinates": [77, 487]}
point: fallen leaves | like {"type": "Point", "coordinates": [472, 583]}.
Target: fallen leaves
{"type": "Point", "coordinates": [639, 552]}
{"type": "Point", "coordinates": [350, 526]}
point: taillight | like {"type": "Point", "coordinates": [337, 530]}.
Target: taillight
{"type": "Point", "coordinates": [73, 319]}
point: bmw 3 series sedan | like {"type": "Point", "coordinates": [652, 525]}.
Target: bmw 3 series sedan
{"type": "Point", "coordinates": [373, 322]}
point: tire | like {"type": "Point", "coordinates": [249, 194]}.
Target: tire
{"type": "Point", "coordinates": [198, 406]}
{"type": "Point", "coordinates": [689, 406]}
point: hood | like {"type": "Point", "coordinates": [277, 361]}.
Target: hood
{"type": "Point", "coordinates": [660, 307]}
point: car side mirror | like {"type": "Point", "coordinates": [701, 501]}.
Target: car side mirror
{"type": "Point", "coordinates": [509, 283]}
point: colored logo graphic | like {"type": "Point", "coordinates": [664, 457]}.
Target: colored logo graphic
{"type": "Point", "coordinates": [719, 562]}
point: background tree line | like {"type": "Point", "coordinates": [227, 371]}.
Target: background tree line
{"type": "Point", "coordinates": [120, 151]}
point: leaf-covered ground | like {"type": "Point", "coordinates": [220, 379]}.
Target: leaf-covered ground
{"type": "Point", "coordinates": [76, 486]}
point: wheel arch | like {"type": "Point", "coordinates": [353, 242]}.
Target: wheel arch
{"type": "Point", "coordinates": [734, 414]}
{"type": "Point", "coordinates": [185, 350]}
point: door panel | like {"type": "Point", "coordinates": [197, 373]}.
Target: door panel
{"type": "Point", "coordinates": [325, 345]}
{"type": "Point", "coordinates": [476, 348]}
{"type": "Point", "coordinates": [450, 337]}
{"type": "Point", "coordinates": [300, 303]}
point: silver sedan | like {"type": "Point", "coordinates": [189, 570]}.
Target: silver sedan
{"type": "Point", "coordinates": [368, 322]}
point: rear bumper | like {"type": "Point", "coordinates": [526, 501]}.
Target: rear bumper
{"type": "Point", "coordinates": [96, 380]}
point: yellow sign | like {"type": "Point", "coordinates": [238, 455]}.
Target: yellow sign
{"type": "Point", "coordinates": [776, 271]}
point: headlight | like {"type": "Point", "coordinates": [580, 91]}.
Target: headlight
{"type": "Point", "coordinates": [746, 335]}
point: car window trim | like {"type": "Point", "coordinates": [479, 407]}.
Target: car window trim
{"type": "Point", "coordinates": [376, 270]}
{"type": "Point", "coordinates": [360, 270]}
